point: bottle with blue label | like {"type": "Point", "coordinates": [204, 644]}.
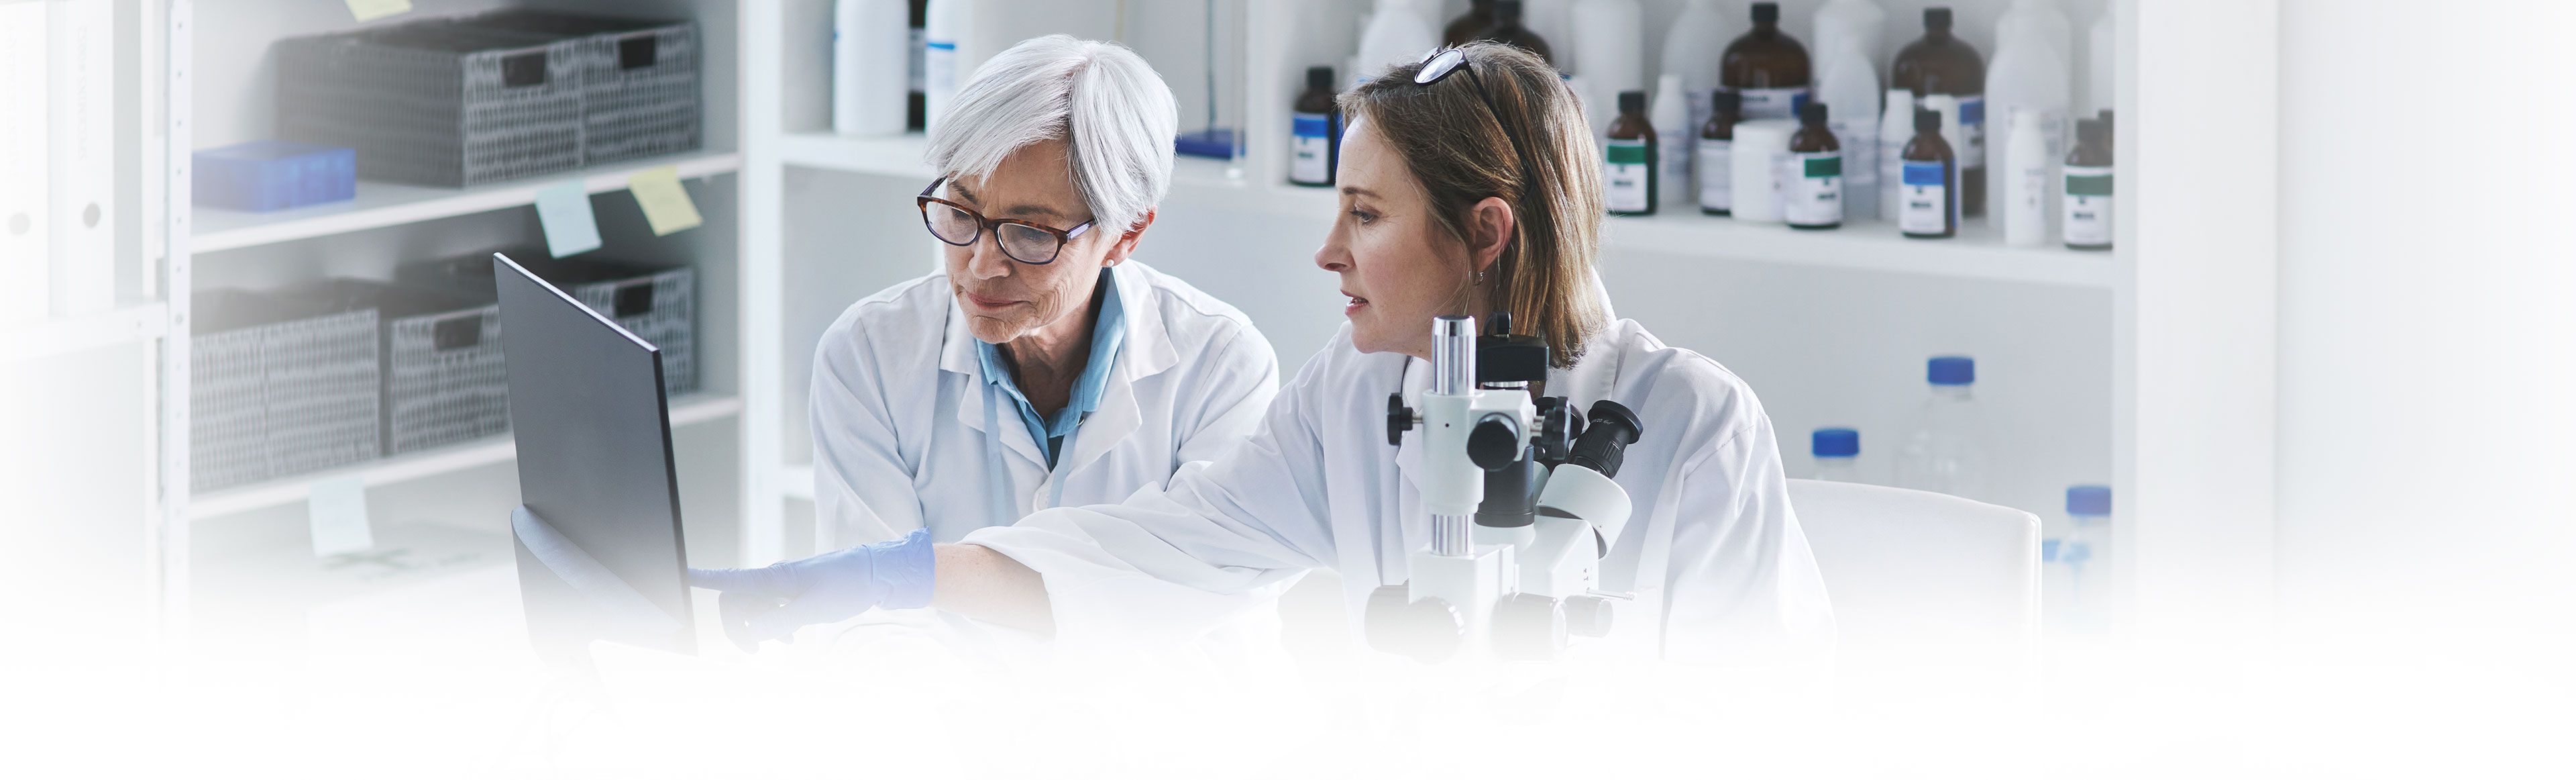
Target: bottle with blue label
{"type": "Point", "coordinates": [1837, 452]}
{"type": "Point", "coordinates": [2084, 556]}
{"type": "Point", "coordinates": [1315, 137]}
{"type": "Point", "coordinates": [1928, 182]}
{"type": "Point", "coordinates": [1942, 64]}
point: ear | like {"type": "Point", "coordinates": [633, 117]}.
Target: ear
{"type": "Point", "coordinates": [1126, 245]}
{"type": "Point", "coordinates": [1489, 228]}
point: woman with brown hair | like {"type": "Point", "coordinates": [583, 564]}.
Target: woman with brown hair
{"type": "Point", "coordinates": [1468, 185]}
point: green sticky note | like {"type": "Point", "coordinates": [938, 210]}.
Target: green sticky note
{"type": "Point", "coordinates": [666, 204]}
{"type": "Point", "coordinates": [337, 512]}
{"type": "Point", "coordinates": [371, 10]}
{"type": "Point", "coordinates": [564, 211]}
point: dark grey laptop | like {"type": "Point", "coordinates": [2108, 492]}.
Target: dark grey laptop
{"type": "Point", "coordinates": [604, 560]}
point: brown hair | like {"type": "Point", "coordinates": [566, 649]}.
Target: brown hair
{"type": "Point", "coordinates": [1461, 156]}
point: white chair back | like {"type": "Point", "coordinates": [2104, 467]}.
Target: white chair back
{"type": "Point", "coordinates": [1917, 572]}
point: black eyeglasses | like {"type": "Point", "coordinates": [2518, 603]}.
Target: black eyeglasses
{"type": "Point", "coordinates": [956, 224]}
{"type": "Point", "coordinates": [1439, 65]}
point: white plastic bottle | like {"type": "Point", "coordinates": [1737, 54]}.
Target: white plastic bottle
{"type": "Point", "coordinates": [2027, 74]}
{"type": "Point", "coordinates": [1398, 33]}
{"type": "Point", "coordinates": [1860, 21]}
{"type": "Point", "coordinates": [1837, 452]}
{"type": "Point", "coordinates": [1689, 52]}
{"type": "Point", "coordinates": [2036, 20]}
{"type": "Point", "coordinates": [1895, 127]}
{"type": "Point", "coordinates": [2085, 555]}
{"type": "Point", "coordinates": [1609, 52]}
{"type": "Point", "coordinates": [2028, 178]}
{"type": "Point", "coordinates": [1670, 115]}
{"type": "Point", "coordinates": [1847, 83]}
{"type": "Point", "coordinates": [950, 23]}
{"type": "Point", "coordinates": [2102, 76]}
{"type": "Point", "coordinates": [1553, 21]}
{"type": "Point", "coordinates": [871, 66]}
{"type": "Point", "coordinates": [1947, 453]}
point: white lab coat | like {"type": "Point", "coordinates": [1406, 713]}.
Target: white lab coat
{"type": "Point", "coordinates": [907, 433]}
{"type": "Point", "coordinates": [1712, 551]}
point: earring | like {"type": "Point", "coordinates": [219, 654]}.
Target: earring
{"type": "Point", "coordinates": [1480, 277]}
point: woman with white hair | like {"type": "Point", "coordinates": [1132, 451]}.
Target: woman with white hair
{"type": "Point", "coordinates": [1043, 366]}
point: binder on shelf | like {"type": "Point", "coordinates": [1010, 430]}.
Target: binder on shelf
{"type": "Point", "coordinates": [81, 113]}
{"type": "Point", "coordinates": [25, 254]}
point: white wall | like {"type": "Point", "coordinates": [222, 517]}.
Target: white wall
{"type": "Point", "coordinates": [2427, 336]}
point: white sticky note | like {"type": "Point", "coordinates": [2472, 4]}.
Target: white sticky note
{"type": "Point", "coordinates": [371, 10]}
{"type": "Point", "coordinates": [337, 510]}
{"type": "Point", "coordinates": [666, 204]}
{"type": "Point", "coordinates": [564, 211]}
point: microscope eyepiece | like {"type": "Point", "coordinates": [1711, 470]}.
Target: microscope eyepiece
{"type": "Point", "coordinates": [1604, 443]}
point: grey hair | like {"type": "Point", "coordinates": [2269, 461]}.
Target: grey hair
{"type": "Point", "coordinates": [1114, 113]}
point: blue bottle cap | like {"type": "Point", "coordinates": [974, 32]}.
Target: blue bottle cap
{"type": "Point", "coordinates": [1835, 443]}
{"type": "Point", "coordinates": [2088, 500]}
{"type": "Point", "coordinates": [1952, 370]}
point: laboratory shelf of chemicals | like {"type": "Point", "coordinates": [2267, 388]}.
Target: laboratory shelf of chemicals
{"type": "Point", "coordinates": [385, 204]}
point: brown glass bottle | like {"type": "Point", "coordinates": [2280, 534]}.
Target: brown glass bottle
{"type": "Point", "coordinates": [1811, 187]}
{"type": "Point", "coordinates": [1480, 15]}
{"type": "Point", "coordinates": [1928, 206]}
{"type": "Point", "coordinates": [1715, 156]}
{"type": "Point", "coordinates": [2087, 214]}
{"type": "Point", "coordinates": [1939, 63]}
{"type": "Point", "coordinates": [1507, 28]}
{"type": "Point", "coordinates": [1767, 67]}
{"type": "Point", "coordinates": [1315, 135]}
{"type": "Point", "coordinates": [1629, 175]}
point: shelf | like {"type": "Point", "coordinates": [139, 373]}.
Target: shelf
{"type": "Point", "coordinates": [1202, 181]}
{"type": "Point", "coordinates": [382, 205]}
{"type": "Point", "coordinates": [402, 468]}
{"type": "Point", "coordinates": [1977, 253]}
{"type": "Point", "coordinates": [123, 325]}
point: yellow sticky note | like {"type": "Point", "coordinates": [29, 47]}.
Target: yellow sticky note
{"type": "Point", "coordinates": [666, 204]}
{"type": "Point", "coordinates": [371, 10]}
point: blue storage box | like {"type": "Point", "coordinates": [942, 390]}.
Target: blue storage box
{"type": "Point", "coordinates": [272, 175]}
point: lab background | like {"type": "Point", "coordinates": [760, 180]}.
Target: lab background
{"type": "Point", "coordinates": [2323, 371]}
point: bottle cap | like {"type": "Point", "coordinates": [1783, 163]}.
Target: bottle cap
{"type": "Point", "coordinates": [1927, 120]}
{"type": "Point", "coordinates": [1936, 18]}
{"type": "Point", "coordinates": [1632, 102]}
{"type": "Point", "coordinates": [2088, 500]}
{"type": "Point", "coordinates": [1727, 101]}
{"type": "Point", "coordinates": [1835, 443]}
{"type": "Point", "coordinates": [2092, 132]}
{"type": "Point", "coordinates": [1811, 114]}
{"type": "Point", "coordinates": [1766, 13]}
{"type": "Point", "coordinates": [1320, 77]}
{"type": "Point", "coordinates": [1951, 370]}
{"type": "Point", "coordinates": [1507, 12]}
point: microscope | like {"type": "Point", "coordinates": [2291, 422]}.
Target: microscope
{"type": "Point", "coordinates": [1521, 501]}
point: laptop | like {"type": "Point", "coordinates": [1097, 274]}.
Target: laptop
{"type": "Point", "coordinates": [598, 541]}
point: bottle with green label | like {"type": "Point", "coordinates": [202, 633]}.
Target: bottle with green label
{"type": "Point", "coordinates": [1628, 171]}
{"type": "Point", "coordinates": [2088, 186]}
{"type": "Point", "coordinates": [1812, 187]}
{"type": "Point", "coordinates": [1928, 206]}
{"type": "Point", "coordinates": [1716, 167]}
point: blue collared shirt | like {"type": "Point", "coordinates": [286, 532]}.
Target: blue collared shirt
{"type": "Point", "coordinates": [1108, 332]}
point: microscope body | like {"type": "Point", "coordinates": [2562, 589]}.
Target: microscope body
{"type": "Point", "coordinates": [1521, 508]}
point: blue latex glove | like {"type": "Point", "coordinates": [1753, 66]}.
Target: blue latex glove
{"type": "Point", "coordinates": [772, 601]}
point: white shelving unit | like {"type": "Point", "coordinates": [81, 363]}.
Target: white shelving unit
{"type": "Point", "coordinates": [2128, 367]}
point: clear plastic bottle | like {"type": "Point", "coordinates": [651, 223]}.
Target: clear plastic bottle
{"type": "Point", "coordinates": [1837, 452]}
{"type": "Point", "coordinates": [1947, 453]}
{"type": "Point", "coordinates": [2084, 553]}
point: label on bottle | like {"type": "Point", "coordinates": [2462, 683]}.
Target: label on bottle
{"type": "Point", "coordinates": [1676, 169]}
{"type": "Point", "coordinates": [1777, 103]}
{"type": "Point", "coordinates": [1716, 175]}
{"type": "Point", "coordinates": [1814, 189]}
{"type": "Point", "coordinates": [920, 68]}
{"type": "Point", "coordinates": [2088, 206]}
{"type": "Point", "coordinates": [1891, 176]}
{"type": "Point", "coordinates": [939, 66]}
{"type": "Point", "coordinates": [1972, 132]}
{"type": "Point", "coordinates": [1927, 205]}
{"type": "Point", "coordinates": [1627, 174]}
{"type": "Point", "coordinates": [2025, 211]}
{"type": "Point", "coordinates": [1311, 149]}
{"type": "Point", "coordinates": [1860, 151]}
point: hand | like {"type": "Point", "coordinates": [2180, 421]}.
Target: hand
{"type": "Point", "coordinates": [772, 601]}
